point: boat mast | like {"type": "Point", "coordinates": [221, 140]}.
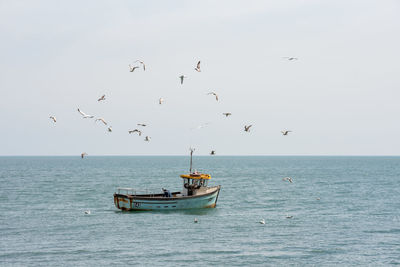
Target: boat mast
{"type": "Point", "coordinates": [191, 153]}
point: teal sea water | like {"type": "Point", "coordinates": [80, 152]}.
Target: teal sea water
{"type": "Point", "coordinates": [356, 220]}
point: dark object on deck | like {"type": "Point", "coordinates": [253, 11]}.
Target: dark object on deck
{"type": "Point", "coordinates": [167, 193]}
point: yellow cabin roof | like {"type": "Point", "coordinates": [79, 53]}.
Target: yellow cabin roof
{"type": "Point", "coordinates": [197, 176]}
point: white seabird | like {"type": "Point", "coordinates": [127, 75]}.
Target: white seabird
{"type": "Point", "coordinates": [291, 58]}
{"type": "Point", "coordinates": [132, 68]}
{"type": "Point", "coordinates": [285, 132]}
{"type": "Point", "coordinates": [182, 77]}
{"type": "Point", "coordinates": [198, 67]}
{"type": "Point", "coordinates": [287, 179]}
{"type": "Point", "coordinates": [135, 131]}
{"type": "Point", "coordinates": [141, 62]}
{"type": "Point", "coordinates": [102, 120]}
{"type": "Point", "coordinates": [84, 115]}
{"type": "Point", "coordinates": [103, 97]}
{"type": "Point", "coordinates": [215, 94]}
{"type": "Point", "coordinates": [247, 128]}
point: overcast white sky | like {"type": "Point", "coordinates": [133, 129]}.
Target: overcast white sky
{"type": "Point", "coordinates": [340, 98]}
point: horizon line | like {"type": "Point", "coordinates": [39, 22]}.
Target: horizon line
{"type": "Point", "coordinates": [202, 155]}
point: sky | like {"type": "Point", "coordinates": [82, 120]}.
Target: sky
{"type": "Point", "coordinates": [339, 98]}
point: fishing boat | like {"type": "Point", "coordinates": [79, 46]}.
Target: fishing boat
{"type": "Point", "coordinates": [195, 194]}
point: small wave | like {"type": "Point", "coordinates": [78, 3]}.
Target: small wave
{"type": "Point", "coordinates": [220, 252]}
{"type": "Point", "coordinates": [391, 231]}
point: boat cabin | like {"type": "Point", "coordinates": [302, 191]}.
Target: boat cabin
{"type": "Point", "coordinates": [194, 183]}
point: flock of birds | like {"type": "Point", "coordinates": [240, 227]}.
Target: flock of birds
{"type": "Point", "coordinates": [140, 63]}
{"type": "Point", "coordinates": [139, 131]}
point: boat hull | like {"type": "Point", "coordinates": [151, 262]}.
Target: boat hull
{"type": "Point", "coordinates": [144, 202]}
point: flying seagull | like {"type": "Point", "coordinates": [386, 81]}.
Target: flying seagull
{"type": "Point", "coordinates": [161, 100]}
{"type": "Point", "coordinates": [142, 124]}
{"type": "Point", "coordinates": [212, 152]}
{"type": "Point", "coordinates": [198, 67]}
{"type": "Point", "coordinates": [103, 97]}
{"type": "Point", "coordinates": [182, 77]}
{"type": "Point", "coordinates": [141, 62]}
{"type": "Point", "coordinates": [132, 68]}
{"type": "Point", "coordinates": [102, 120]}
{"type": "Point", "coordinates": [287, 179]}
{"type": "Point", "coordinates": [84, 154]}
{"type": "Point", "coordinates": [213, 93]}
{"type": "Point", "coordinates": [247, 128]}
{"type": "Point", "coordinates": [291, 58]}
{"type": "Point", "coordinates": [135, 131]}
{"type": "Point", "coordinates": [285, 132]}
{"type": "Point", "coordinates": [53, 118]}
{"type": "Point", "coordinates": [109, 129]}
{"type": "Point", "coordinates": [226, 114]}
{"type": "Point", "coordinates": [147, 138]}
{"type": "Point", "coordinates": [85, 116]}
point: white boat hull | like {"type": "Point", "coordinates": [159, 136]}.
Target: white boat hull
{"type": "Point", "coordinates": [160, 203]}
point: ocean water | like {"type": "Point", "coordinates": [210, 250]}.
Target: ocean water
{"type": "Point", "coordinates": [346, 211]}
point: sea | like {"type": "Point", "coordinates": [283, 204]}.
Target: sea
{"type": "Point", "coordinates": [342, 211]}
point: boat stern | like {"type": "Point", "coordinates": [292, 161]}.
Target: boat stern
{"type": "Point", "coordinates": [123, 202]}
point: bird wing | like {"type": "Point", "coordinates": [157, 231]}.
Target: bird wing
{"type": "Point", "coordinates": [198, 65]}
{"type": "Point", "coordinates": [82, 113]}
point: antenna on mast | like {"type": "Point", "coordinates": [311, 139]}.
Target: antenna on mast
{"type": "Point", "coordinates": [191, 154]}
